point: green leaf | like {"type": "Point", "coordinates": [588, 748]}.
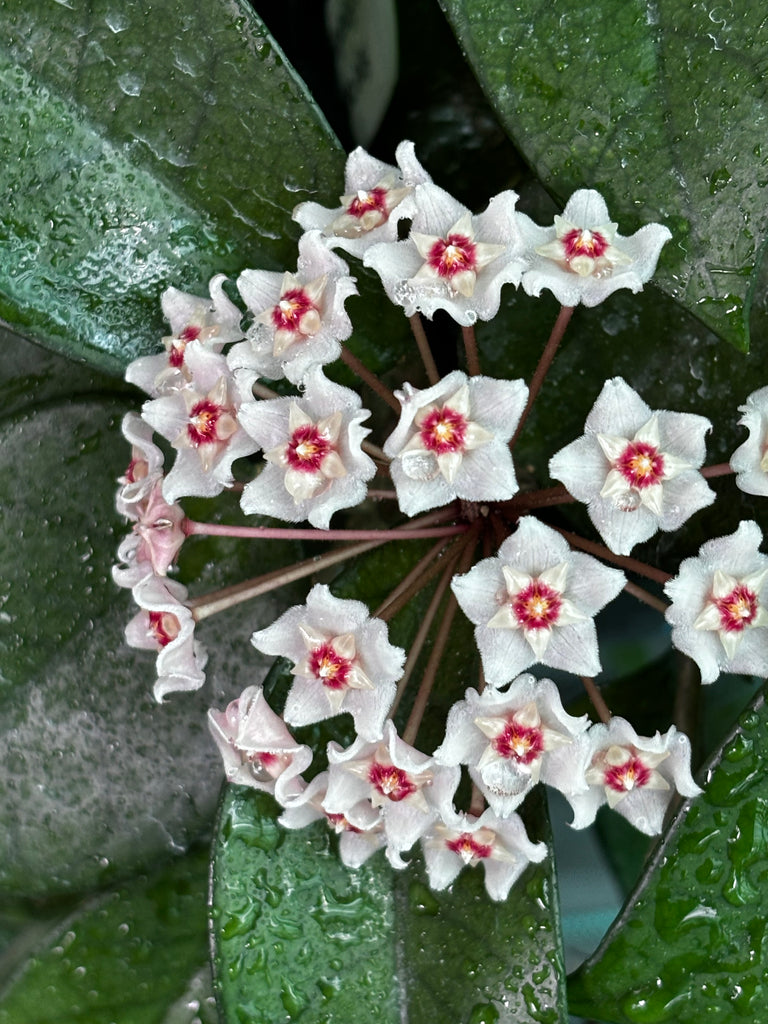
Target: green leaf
{"type": "Point", "coordinates": [661, 109]}
{"type": "Point", "coordinates": [150, 145]}
{"type": "Point", "coordinates": [688, 945]}
{"type": "Point", "coordinates": [134, 955]}
{"type": "Point", "coordinates": [95, 777]}
{"type": "Point", "coordinates": [298, 935]}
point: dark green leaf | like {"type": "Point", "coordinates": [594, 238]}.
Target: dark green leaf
{"type": "Point", "coordinates": [132, 956]}
{"type": "Point", "coordinates": [688, 946]}
{"type": "Point", "coordinates": [95, 777]}
{"type": "Point", "coordinates": [662, 109]}
{"type": "Point", "coordinates": [150, 145]}
{"type": "Point", "coordinates": [297, 934]}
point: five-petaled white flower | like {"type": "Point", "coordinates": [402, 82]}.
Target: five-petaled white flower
{"type": "Point", "coordinates": [452, 260]}
{"type": "Point", "coordinates": [750, 460]}
{"type": "Point", "coordinates": [535, 602]}
{"type": "Point", "coordinates": [312, 447]}
{"type": "Point", "coordinates": [719, 610]}
{"type": "Point", "coordinates": [342, 659]}
{"type": "Point", "coordinates": [457, 840]}
{"type": "Point", "coordinates": [257, 749]}
{"type": "Point", "coordinates": [200, 421]}
{"type": "Point", "coordinates": [636, 469]}
{"type": "Point", "coordinates": [144, 469]}
{"type": "Point", "coordinates": [582, 258]}
{"type": "Point", "coordinates": [213, 323]}
{"type": "Point", "coordinates": [451, 441]}
{"type": "Point", "coordinates": [377, 196]}
{"type": "Point", "coordinates": [360, 828]}
{"type": "Point", "coordinates": [635, 775]}
{"type": "Point", "coordinates": [513, 739]}
{"type": "Point", "coordinates": [299, 318]}
{"type": "Point", "coordinates": [165, 624]}
{"type": "Point", "coordinates": [393, 776]}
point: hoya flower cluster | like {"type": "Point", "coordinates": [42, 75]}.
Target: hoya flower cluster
{"type": "Point", "coordinates": [499, 555]}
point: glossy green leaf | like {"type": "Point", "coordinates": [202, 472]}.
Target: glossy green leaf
{"type": "Point", "coordinates": [297, 935]}
{"type": "Point", "coordinates": [663, 109]}
{"type": "Point", "coordinates": [689, 946]}
{"type": "Point", "coordinates": [150, 145]}
{"type": "Point", "coordinates": [134, 955]}
{"type": "Point", "coordinates": [95, 777]}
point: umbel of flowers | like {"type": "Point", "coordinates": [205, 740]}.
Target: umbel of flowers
{"type": "Point", "coordinates": [499, 556]}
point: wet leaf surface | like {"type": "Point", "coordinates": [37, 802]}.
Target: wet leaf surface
{"type": "Point", "coordinates": [95, 778]}
{"type": "Point", "coordinates": [133, 955]}
{"type": "Point", "coordinates": [149, 146]}
{"type": "Point", "coordinates": [689, 946]}
{"type": "Point", "coordinates": [297, 935]}
{"type": "Point", "coordinates": [661, 108]}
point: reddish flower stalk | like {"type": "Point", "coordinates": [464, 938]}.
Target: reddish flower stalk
{"type": "Point", "coordinates": [601, 551]}
{"type": "Point", "coordinates": [720, 469]}
{"type": "Point", "coordinates": [369, 378]}
{"type": "Point", "coordinates": [563, 319]}
{"type": "Point", "coordinates": [419, 640]}
{"type": "Point", "coordinates": [424, 350]}
{"type": "Point", "coordinates": [419, 576]}
{"type": "Point", "coordinates": [596, 698]}
{"type": "Point", "coordinates": [309, 533]}
{"type": "Point", "coordinates": [643, 595]}
{"type": "Point", "coordinates": [441, 641]}
{"type": "Point", "coordinates": [470, 348]}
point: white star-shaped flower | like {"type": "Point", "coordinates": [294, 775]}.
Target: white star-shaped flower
{"type": "Point", "coordinates": [165, 625]}
{"type": "Point", "coordinates": [213, 323]}
{"type": "Point", "coordinates": [456, 840]}
{"type": "Point", "coordinates": [299, 319]}
{"type": "Point", "coordinates": [582, 258]}
{"type": "Point", "coordinates": [200, 421]}
{"type": "Point", "coordinates": [535, 602]}
{"type": "Point", "coordinates": [452, 260]}
{"type": "Point", "coordinates": [394, 776]}
{"type": "Point", "coordinates": [513, 739]}
{"type": "Point", "coordinates": [719, 610]}
{"type": "Point", "coordinates": [376, 197]}
{"type": "Point", "coordinates": [635, 775]}
{"type": "Point", "coordinates": [451, 441]}
{"type": "Point", "coordinates": [636, 469]}
{"type": "Point", "coordinates": [360, 828]}
{"type": "Point", "coordinates": [257, 749]}
{"type": "Point", "coordinates": [144, 469]}
{"type": "Point", "coordinates": [312, 447]}
{"type": "Point", "coordinates": [343, 661]}
{"type": "Point", "coordinates": [750, 460]}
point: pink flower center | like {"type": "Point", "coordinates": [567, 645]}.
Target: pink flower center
{"type": "Point", "coordinates": [737, 609]}
{"type": "Point", "coordinates": [291, 310]}
{"type": "Point", "coordinates": [633, 774]}
{"type": "Point", "coordinates": [467, 846]}
{"type": "Point", "coordinates": [179, 344]}
{"type": "Point", "coordinates": [520, 743]}
{"type": "Point", "coordinates": [583, 242]}
{"type": "Point", "coordinates": [365, 202]}
{"type": "Point", "coordinates": [453, 255]}
{"type": "Point", "coordinates": [138, 469]}
{"type": "Point", "coordinates": [266, 766]}
{"type": "Point", "coordinates": [537, 606]}
{"type": "Point", "coordinates": [641, 464]}
{"type": "Point", "coordinates": [329, 667]}
{"type": "Point", "coordinates": [203, 422]}
{"type": "Point", "coordinates": [307, 448]}
{"type": "Point", "coordinates": [444, 430]}
{"type": "Point", "coordinates": [164, 627]}
{"type": "Point", "coordinates": [390, 781]}
{"type": "Point", "coordinates": [339, 823]}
